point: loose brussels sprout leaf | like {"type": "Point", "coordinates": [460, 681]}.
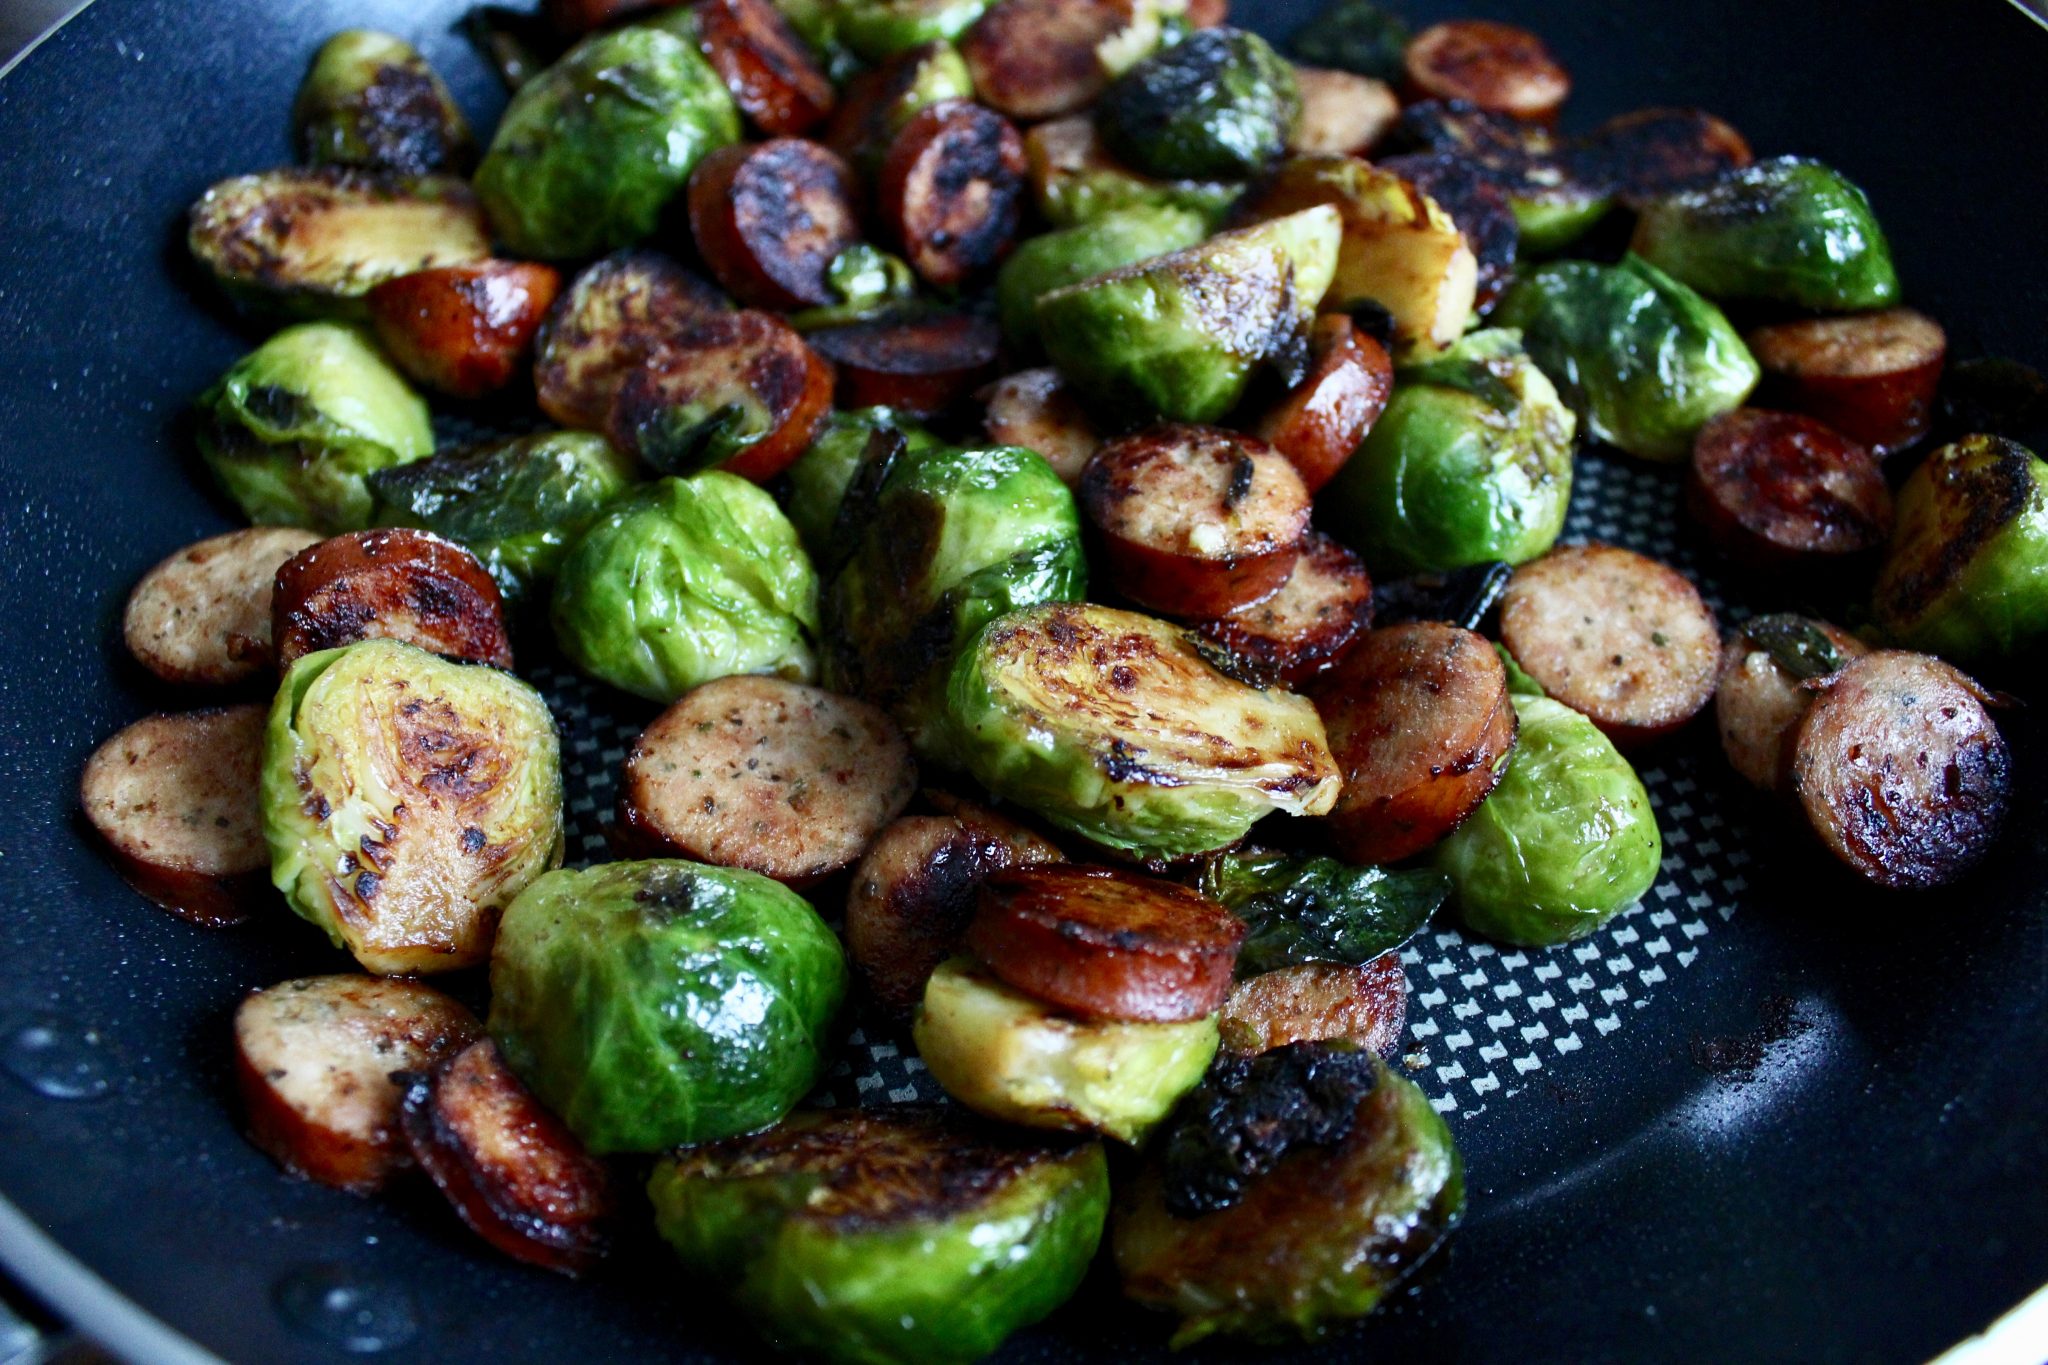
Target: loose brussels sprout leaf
{"type": "Point", "coordinates": [1471, 462]}
{"type": "Point", "coordinates": [1318, 909]}
{"type": "Point", "coordinates": [370, 100]}
{"type": "Point", "coordinates": [295, 427]}
{"type": "Point", "coordinates": [407, 799]}
{"type": "Point", "coordinates": [1644, 360]}
{"type": "Point", "coordinates": [684, 581]}
{"type": "Point", "coordinates": [1355, 35]}
{"type": "Point", "coordinates": [591, 150]}
{"type": "Point", "coordinates": [885, 1236]}
{"type": "Point", "coordinates": [1054, 260]}
{"type": "Point", "coordinates": [1796, 644]}
{"type": "Point", "coordinates": [1319, 1238]}
{"type": "Point", "coordinates": [1013, 1057]}
{"type": "Point", "coordinates": [1566, 841]}
{"type": "Point", "coordinates": [1519, 683]}
{"type": "Point", "coordinates": [867, 281]}
{"type": "Point", "coordinates": [1786, 231]}
{"type": "Point", "coordinates": [1463, 597]}
{"type": "Point", "coordinates": [1112, 725]}
{"type": "Point", "coordinates": [1179, 335]}
{"type": "Point", "coordinates": [1967, 573]}
{"type": "Point", "coordinates": [818, 481]}
{"type": "Point", "coordinates": [654, 1004]}
{"type": "Point", "coordinates": [1075, 180]}
{"type": "Point", "coordinates": [875, 29]}
{"type": "Point", "coordinates": [1218, 105]}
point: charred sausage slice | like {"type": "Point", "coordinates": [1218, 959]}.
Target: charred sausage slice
{"type": "Point", "coordinates": [1654, 152]}
{"type": "Point", "coordinates": [1760, 700]}
{"type": "Point", "coordinates": [1618, 637]}
{"type": "Point", "coordinates": [389, 584]}
{"type": "Point", "coordinates": [1193, 520]}
{"type": "Point", "coordinates": [1316, 1002]}
{"type": "Point", "coordinates": [1342, 112]}
{"type": "Point", "coordinates": [1871, 376]}
{"type": "Point", "coordinates": [776, 777]}
{"type": "Point", "coordinates": [175, 797]}
{"type": "Point", "coordinates": [1323, 418]}
{"type": "Point", "coordinates": [951, 190]}
{"type": "Point", "coordinates": [922, 366]}
{"type": "Point", "coordinates": [1303, 629]}
{"type": "Point", "coordinates": [202, 617]}
{"type": "Point", "coordinates": [1106, 944]}
{"type": "Point", "coordinates": [1479, 209]}
{"type": "Point", "coordinates": [614, 316]}
{"type": "Point", "coordinates": [1420, 723]}
{"type": "Point", "coordinates": [1495, 66]}
{"type": "Point", "coordinates": [315, 1060]}
{"type": "Point", "coordinates": [464, 330]}
{"type": "Point", "coordinates": [1774, 489]}
{"type": "Point", "coordinates": [1901, 770]}
{"type": "Point", "coordinates": [1038, 59]}
{"type": "Point", "coordinates": [1035, 409]}
{"type": "Point", "coordinates": [767, 67]}
{"type": "Point", "coordinates": [769, 217]}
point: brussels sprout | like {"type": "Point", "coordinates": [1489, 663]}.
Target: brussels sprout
{"type": "Point", "coordinates": [876, 29]}
{"type": "Point", "coordinates": [659, 1003]}
{"type": "Point", "coordinates": [1218, 105]}
{"type": "Point", "coordinates": [1013, 1057]}
{"type": "Point", "coordinates": [1565, 841]}
{"type": "Point", "coordinates": [878, 104]}
{"type": "Point", "coordinates": [1054, 260]}
{"type": "Point", "coordinates": [1113, 725]}
{"type": "Point", "coordinates": [591, 150]}
{"type": "Point", "coordinates": [1075, 180]}
{"type": "Point", "coordinates": [895, 1237]}
{"type": "Point", "coordinates": [1967, 573]}
{"type": "Point", "coordinates": [821, 475]}
{"type": "Point", "coordinates": [1355, 35]}
{"type": "Point", "coordinates": [294, 428]}
{"type": "Point", "coordinates": [516, 505]}
{"type": "Point", "coordinates": [1644, 360]}
{"type": "Point", "coordinates": [406, 799]}
{"type": "Point", "coordinates": [684, 581]}
{"type": "Point", "coordinates": [1318, 909]}
{"type": "Point", "coordinates": [865, 280]}
{"type": "Point", "coordinates": [370, 100]}
{"type": "Point", "coordinates": [1179, 335]}
{"type": "Point", "coordinates": [1555, 191]}
{"type": "Point", "coordinates": [1786, 231]}
{"type": "Point", "coordinates": [1471, 462]}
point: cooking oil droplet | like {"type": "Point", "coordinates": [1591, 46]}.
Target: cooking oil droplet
{"type": "Point", "coordinates": [345, 1308]}
{"type": "Point", "coordinates": [58, 1059]}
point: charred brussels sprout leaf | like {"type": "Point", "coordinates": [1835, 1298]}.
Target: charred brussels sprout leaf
{"type": "Point", "coordinates": [1217, 105]}
{"type": "Point", "coordinates": [1355, 35]}
{"type": "Point", "coordinates": [295, 428]}
{"type": "Point", "coordinates": [654, 1004]}
{"type": "Point", "coordinates": [407, 799]}
{"type": "Point", "coordinates": [876, 29]}
{"type": "Point", "coordinates": [370, 100]}
{"type": "Point", "coordinates": [1318, 909]}
{"type": "Point", "coordinates": [1566, 841]}
{"type": "Point", "coordinates": [821, 475]}
{"type": "Point", "coordinates": [1070, 255]}
{"type": "Point", "coordinates": [886, 1236]}
{"type": "Point", "coordinates": [1796, 644]}
{"type": "Point", "coordinates": [684, 581]}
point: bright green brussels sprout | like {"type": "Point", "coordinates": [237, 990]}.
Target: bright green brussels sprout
{"type": "Point", "coordinates": [686, 580]}
{"type": "Point", "coordinates": [294, 428]}
{"type": "Point", "coordinates": [1565, 841]}
{"type": "Point", "coordinates": [1786, 231]}
{"type": "Point", "coordinates": [1318, 909]}
{"type": "Point", "coordinates": [876, 29]}
{"type": "Point", "coordinates": [1471, 462]}
{"type": "Point", "coordinates": [1644, 360]}
{"type": "Point", "coordinates": [1547, 223]}
{"type": "Point", "coordinates": [516, 505]}
{"type": "Point", "coordinates": [866, 281]}
{"type": "Point", "coordinates": [1075, 180]}
{"type": "Point", "coordinates": [1218, 105]}
{"type": "Point", "coordinates": [370, 100]}
{"type": "Point", "coordinates": [1355, 35]}
{"type": "Point", "coordinates": [655, 1004]}
{"type": "Point", "coordinates": [904, 1236]}
{"type": "Point", "coordinates": [821, 475]}
{"type": "Point", "coordinates": [1115, 726]}
{"type": "Point", "coordinates": [406, 799]}
{"type": "Point", "coordinates": [1054, 260]}
{"type": "Point", "coordinates": [591, 150]}
{"type": "Point", "coordinates": [1967, 573]}
{"type": "Point", "coordinates": [1179, 335]}
{"type": "Point", "coordinates": [1015, 1058]}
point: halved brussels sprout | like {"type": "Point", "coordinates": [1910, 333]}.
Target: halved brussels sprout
{"type": "Point", "coordinates": [653, 1004]}
{"type": "Point", "coordinates": [591, 150]}
{"type": "Point", "coordinates": [684, 581]}
{"type": "Point", "coordinates": [1218, 105]}
{"type": "Point", "coordinates": [1013, 1057]}
{"type": "Point", "coordinates": [1555, 192]}
{"type": "Point", "coordinates": [1786, 231]}
{"type": "Point", "coordinates": [821, 475]}
{"type": "Point", "coordinates": [1564, 843]}
{"type": "Point", "coordinates": [370, 100]}
{"type": "Point", "coordinates": [876, 29]}
{"type": "Point", "coordinates": [1967, 573]}
{"type": "Point", "coordinates": [1054, 260]}
{"type": "Point", "coordinates": [1115, 726]}
{"type": "Point", "coordinates": [1179, 335]}
{"type": "Point", "coordinates": [1075, 180]}
{"type": "Point", "coordinates": [1471, 462]}
{"type": "Point", "coordinates": [1642, 359]}
{"type": "Point", "coordinates": [294, 428]}
{"type": "Point", "coordinates": [886, 1237]}
{"type": "Point", "coordinates": [406, 799]}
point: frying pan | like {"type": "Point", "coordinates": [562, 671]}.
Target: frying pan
{"type": "Point", "coordinates": [1771, 1115]}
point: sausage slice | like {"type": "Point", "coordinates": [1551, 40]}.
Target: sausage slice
{"type": "Point", "coordinates": [776, 777]}
{"type": "Point", "coordinates": [769, 217]}
{"type": "Point", "coordinates": [391, 584]}
{"type": "Point", "coordinates": [175, 797]}
{"type": "Point", "coordinates": [1342, 112]}
{"type": "Point", "coordinates": [1871, 376]}
{"type": "Point", "coordinates": [1323, 418]}
{"type": "Point", "coordinates": [1759, 699]}
{"type": "Point", "coordinates": [922, 366]}
{"type": "Point", "coordinates": [1618, 637]}
{"type": "Point", "coordinates": [767, 67]}
{"type": "Point", "coordinates": [1303, 629]}
{"type": "Point", "coordinates": [1035, 409]}
{"type": "Point", "coordinates": [951, 190]}
{"type": "Point", "coordinates": [1655, 152]}
{"type": "Point", "coordinates": [1901, 770]}
{"type": "Point", "coordinates": [315, 1059]}
{"type": "Point", "coordinates": [1193, 520]}
{"type": "Point", "coordinates": [1038, 59]}
{"type": "Point", "coordinates": [1316, 1002]}
{"type": "Point", "coordinates": [464, 330]}
{"type": "Point", "coordinates": [614, 316]}
{"type": "Point", "coordinates": [1495, 66]}
{"type": "Point", "coordinates": [1478, 207]}
{"type": "Point", "coordinates": [1774, 489]}
{"type": "Point", "coordinates": [202, 617]}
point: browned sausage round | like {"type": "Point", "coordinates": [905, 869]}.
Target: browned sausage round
{"type": "Point", "coordinates": [1303, 629]}
{"type": "Point", "coordinates": [1106, 944]}
{"type": "Point", "coordinates": [1036, 59]}
{"type": "Point", "coordinates": [1773, 490]}
{"type": "Point", "coordinates": [202, 617]}
{"type": "Point", "coordinates": [1759, 700]}
{"type": "Point", "coordinates": [1461, 189]}
{"type": "Point", "coordinates": [1494, 66]}
{"type": "Point", "coordinates": [1901, 770]}
{"type": "Point", "coordinates": [1035, 409]}
{"type": "Point", "coordinates": [1871, 376]}
{"type": "Point", "coordinates": [390, 584]}
{"type": "Point", "coordinates": [1620, 638]}
{"type": "Point", "coordinates": [922, 366]}
{"type": "Point", "coordinates": [769, 217]}
{"type": "Point", "coordinates": [613, 316]}
{"type": "Point", "coordinates": [1420, 723]}
{"type": "Point", "coordinates": [1315, 1002]}
{"type": "Point", "coordinates": [1323, 418]}
{"type": "Point", "coordinates": [951, 191]}
{"type": "Point", "coordinates": [767, 67]}
{"type": "Point", "coordinates": [464, 329]}
{"type": "Point", "coordinates": [875, 103]}
{"type": "Point", "coordinates": [1654, 152]}
{"type": "Point", "coordinates": [1342, 112]}
{"type": "Point", "coordinates": [1195, 521]}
